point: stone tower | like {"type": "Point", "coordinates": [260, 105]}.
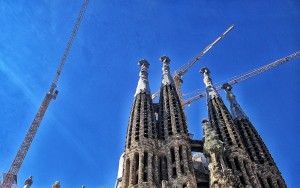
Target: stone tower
{"type": "Point", "coordinates": [234, 153]}
{"type": "Point", "coordinates": [157, 151]}
{"type": "Point", "coordinates": [175, 149]}
{"type": "Point", "coordinates": [266, 169]}
{"type": "Point", "coordinates": [139, 157]}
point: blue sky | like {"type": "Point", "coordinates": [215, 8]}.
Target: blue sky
{"type": "Point", "coordinates": [83, 133]}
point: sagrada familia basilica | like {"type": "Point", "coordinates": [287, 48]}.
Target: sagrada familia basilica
{"type": "Point", "coordinates": [159, 152]}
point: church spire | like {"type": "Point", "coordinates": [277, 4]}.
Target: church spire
{"type": "Point", "coordinates": [166, 75]}
{"type": "Point", "coordinates": [218, 113]}
{"type": "Point", "coordinates": [143, 84]}
{"type": "Point", "coordinates": [210, 90]}
{"type": "Point", "coordinates": [236, 110]}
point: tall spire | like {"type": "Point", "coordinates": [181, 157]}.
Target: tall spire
{"type": "Point", "coordinates": [143, 84]}
{"type": "Point", "coordinates": [257, 151]}
{"type": "Point", "coordinates": [211, 91]}
{"type": "Point", "coordinates": [56, 184]}
{"type": "Point", "coordinates": [235, 108]}
{"type": "Point", "coordinates": [166, 75]}
{"type": "Point", "coordinates": [219, 115]}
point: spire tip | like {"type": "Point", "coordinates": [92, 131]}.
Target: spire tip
{"type": "Point", "coordinates": [166, 77]}
{"type": "Point", "coordinates": [143, 62]}
{"type": "Point", "coordinates": [204, 120]}
{"type": "Point", "coordinates": [143, 85]}
{"type": "Point", "coordinates": [227, 87]}
{"type": "Point", "coordinates": [204, 70]}
{"type": "Point", "coordinates": [165, 59]}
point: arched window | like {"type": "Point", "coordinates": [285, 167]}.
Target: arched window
{"type": "Point", "coordinates": [228, 163]}
{"type": "Point", "coordinates": [237, 164]}
{"type": "Point", "coordinates": [242, 180]}
{"type": "Point", "coordinates": [145, 162]}
{"type": "Point", "coordinates": [261, 181]}
{"type": "Point", "coordinates": [181, 160]}
{"type": "Point", "coordinates": [136, 169]}
{"type": "Point", "coordinates": [270, 182]}
{"type": "Point", "coordinates": [174, 173]}
{"type": "Point", "coordinates": [163, 168]}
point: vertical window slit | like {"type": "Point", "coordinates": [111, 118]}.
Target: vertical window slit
{"type": "Point", "coordinates": [136, 169]}
{"type": "Point", "coordinates": [145, 161]}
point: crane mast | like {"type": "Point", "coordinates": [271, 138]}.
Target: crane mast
{"type": "Point", "coordinates": [246, 76]}
{"type": "Point", "coordinates": [184, 69]}
{"type": "Point", "coordinates": [51, 95]}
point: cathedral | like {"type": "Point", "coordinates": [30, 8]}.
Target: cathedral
{"type": "Point", "coordinates": [160, 152]}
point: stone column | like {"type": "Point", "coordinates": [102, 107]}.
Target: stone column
{"type": "Point", "coordinates": [185, 159]}
{"type": "Point", "coordinates": [172, 113]}
{"type": "Point", "coordinates": [156, 169]}
{"type": "Point", "coordinates": [169, 161]}
{"type": "Point", "coordinates": [140, 170]}
{"type": "Point", "coordinates": [142, 122]}
{"type": "Point", "coordinates": [126, 173]}
{"type": "Point", "coordinates": [132, 170]}
{"type": "Point", "coordinates": [232, 163]}
{"type": "Point", "coordinates": [245, 175]}
{"type": "Point", "coordinates": [177, 161]}
{"type": "Point", "coordinates": [265, 182]}
{"type": "Point", "coordinates": [150, 168]}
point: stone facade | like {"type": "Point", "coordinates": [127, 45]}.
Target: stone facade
{"type": "Point", "coordinates": [158, 149]}
{"type": "Point", "coordinates": [267, 172]}
{"type": "Point", "coordinates": [158, 152]}
{"type": "Point", "coordinates": [242, 156]}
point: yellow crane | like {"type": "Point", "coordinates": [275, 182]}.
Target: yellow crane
{"type": "Point", "coordinates": [11, 175]}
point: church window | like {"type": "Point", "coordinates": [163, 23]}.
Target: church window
{"type": "Point", "coordinates": [145, 161]}
{"type": "Point", "coordinates": [136, 169]}
{"type": "Point", "coordinates": [237, 164]}
{"type": "Point", "coordinates": [242, 180]}
{"type": "Point", "coordinates": [270, 182]}
{"type": "Point", "coordinates": [261, 182]}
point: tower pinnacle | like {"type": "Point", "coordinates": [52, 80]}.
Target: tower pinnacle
{"type": "Point", "coordinates": [56, 184]}
{"type": "Point", "coordinates": [28, 182]}
{"type": "Point", "coordinates": [166, 75]}
{"type": "Point", "coordinates": [211, 91]}
{"type": "Point", "coordinates": [236, 110]}
{"type": "Point", "coordinates": [143, 84]}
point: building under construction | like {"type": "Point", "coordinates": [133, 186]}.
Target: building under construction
{"type": "Point", "coordinates": [159, 151]}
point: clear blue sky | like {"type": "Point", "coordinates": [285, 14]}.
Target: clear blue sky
{"type": "Point", "coordinates": [83, 133]}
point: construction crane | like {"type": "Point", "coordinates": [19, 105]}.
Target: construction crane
{"type": "Point", "coordinates": [245, 76]}
{"type": "Point", "coordinates": [184, 69]}
{"type": "Point", "coordinates": [51, 95]}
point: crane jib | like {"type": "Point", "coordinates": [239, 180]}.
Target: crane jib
{"type": "Point", "coordinates": [52, 93]}
{"type": "Point", "coordinates": [183, 70]}
{"type": "Point", "coordinates": [246, 76]}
